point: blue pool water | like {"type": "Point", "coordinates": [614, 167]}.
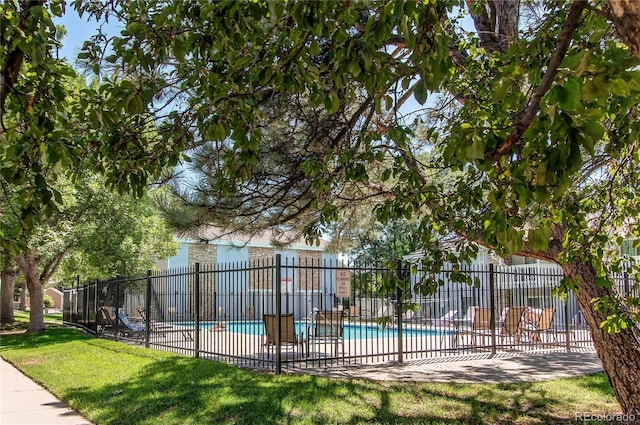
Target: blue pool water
{"type": "Point", "coordinates": [351, 331]}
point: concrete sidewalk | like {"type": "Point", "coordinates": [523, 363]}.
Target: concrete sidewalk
{"type": "Point", "coordinates": [23, 402]}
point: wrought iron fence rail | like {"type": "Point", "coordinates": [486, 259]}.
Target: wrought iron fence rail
{"type": "Point", "coordinates": [223, 307]}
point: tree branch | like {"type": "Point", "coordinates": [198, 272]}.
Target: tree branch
{"type": "Point", "coordinates": [572, 22]}
{"type": "Point", "coordinates": [53, 265]}
{"type": "Point", "coordinates": [15, 57]}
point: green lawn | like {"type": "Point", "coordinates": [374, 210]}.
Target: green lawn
{"type": "Point", "coordinates": [114, 383]}
{"type": "Point", "coordinates": [22, 320]}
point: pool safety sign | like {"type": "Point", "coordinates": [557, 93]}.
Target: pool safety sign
{"type": "Point", "coordinates": [286, 285]}
{"type": "Point", "coordinates": [343, 283]}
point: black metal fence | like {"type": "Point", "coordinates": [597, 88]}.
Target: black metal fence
{"type": "Point", "coordinates": [329, 313]}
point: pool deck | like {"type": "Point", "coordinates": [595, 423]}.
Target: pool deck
{"type": "Point", "coordinates": [481, 368]}
{"type": "Point", "coordinates": [429, 357]}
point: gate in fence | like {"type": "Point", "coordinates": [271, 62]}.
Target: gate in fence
{"type": "Point", "coordinates": [300, 314]}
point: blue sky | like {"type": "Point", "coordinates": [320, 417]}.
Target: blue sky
{"type": "Point", "coordinates": [78, 31]}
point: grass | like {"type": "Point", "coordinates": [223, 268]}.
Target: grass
{"type": "Point", "coordinates": [114, 383]}
{"type": "Point", "coordinates": [22, 321]}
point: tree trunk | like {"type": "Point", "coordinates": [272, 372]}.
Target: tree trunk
{"type": "Point", "coordinates": [8, 277]}
{"type": "Point", "coordinates": [36, 300]}
{"type": "Point", "coordinates": [619, 352]}
{"type": "Point", "coordinates": [22, 306]}
{"type": "Point", "coordinates": [29, 266]}
{"type": "Point", "coordinates": [626, 18]}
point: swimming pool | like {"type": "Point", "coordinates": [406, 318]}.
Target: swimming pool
{"type": "Point", "coordinates": [351, 330]}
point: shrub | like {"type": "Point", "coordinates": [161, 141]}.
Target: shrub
{"type": "Point", "coordinates": [48, 301]}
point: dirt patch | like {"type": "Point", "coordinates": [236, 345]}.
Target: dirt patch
{"type": "Point", "coordinates": [12, 331]}
{"type": "Point", "coordinates": [31, 362]}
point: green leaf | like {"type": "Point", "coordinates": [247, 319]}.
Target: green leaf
{"type": "Point", "coordinates": [476, 150]}
{"type": "Point", "coordinates": [570, 101]}
{"type": "Point", "coordinates": [420, 92]}
{"type": "Point", "coordinates": [219, 132]}
{"type": "Point", "coordinates": [332, 103]}
{"type": "Point", "coordinates": [367, 59]}
{"type": "Point", "coordinates": [555, 95]}
{"type": "Point", "coordinates": [354, 67]}
{"type": "Point", "coordinates": [314, 48]}
{"type": "Point", "coordinates": [620, 87]}
{"type": "Point", "coordinates": [539, 238]}
{"type": "Point", "coordinates": [594, 130]}
{"type": "Point", "coordinates": [179, 48]}
{"type": "Point", "coordinates": [135, 27]}
{"type": "Point", "coordinates": [501, 90]}
{"type": "Point", "coordinates": [40, 182]}
{"type": "Point", "coordinates": [386, 174]}
{"type": "Point", "coordinates": [511, 240]}
{"type": "Point", "coordinates": [595, 89]}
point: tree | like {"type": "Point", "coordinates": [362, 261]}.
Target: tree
{"type": "Point", "coordinates": [122, 236]}
{"type": "Point", "coordinates": [541, 113]}
{"type": "Point", "coordinates": [385, 244]}
{"type": "Point", "coordinates": [51, 122]}
{"type": "Point", "coordinates": [8, 278]}
{"type": "Point", "coordinates": [53, 126]}
{"type": "Point", "coordinates": [109, 232]}
{"type": "Point", "coordinates": [9, 270]}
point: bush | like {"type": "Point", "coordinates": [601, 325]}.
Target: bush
{"type": "Point", "coordinates": [48, 301]}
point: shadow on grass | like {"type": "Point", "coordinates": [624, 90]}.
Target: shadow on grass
{"type": "Point", "coordinates": [196, 391]}
{"type": "Point", "coordinates": [597, 382]}
{"type": "Point", "coordinates": [181, 390]}
{"type": "Point", "coordinates": [52, 335]}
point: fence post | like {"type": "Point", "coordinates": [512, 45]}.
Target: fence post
{"type": "Point", "coordinates": [74, 312]}
{"type": "Point", "coordinates": [95, 310]}
{"type": "Point", "coordinates": [399, 310]}
{"type": "Point", "coordinates": [492, 305]}
{"type": "Point", "coordinates": [196, 340]}
{"type": "Point", "coordinates": [147, 308]}
{"type": "Point", "coordinates": [625, 281]}
{"type": "Point", "coordinates": [278, 278]}
{"type": "Point", "coordinates": [85, 309]}
{"type": "Point", "coordinates": [117, 305]}
{"type": "Point", "coordinates": [566, 323]}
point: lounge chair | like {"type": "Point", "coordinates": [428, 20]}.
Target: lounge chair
{"type": "Point", "coordinates": [288, 335]}
{"type": "Point", "coordinates": [444, 324]}
{"type": "Point", "coordinates": [512, 325]}
{"type": "Point", "coordinates": [481, 324]}
{"type": "Point", "coordinates": [326, 327]}
{"type": "Point", "coordinates": [136, 329]}
{"type": "Point", "coordinates": [155, 326]}
{"type": "Point", "coordinates": [106, 319]}
{"type": "Point", "coordinates": [409, 316]}
{"type": "Point", "coordinates": [128, 327]}
{"type": "Point", "coordinates": [470, 315]}
{"type": "Point", "coordinates": [386, 312]}
{"type": "Point", "coordinates": [172, 313]}
{"type": "Point", "coordinates": [354, 311]}
{"type": "Point", "coordinates": [446, 320]}
{"type": "Point", "coordinates": [476, 322]}
{"type": "Point", "coordinates": [529, 320]}
{"type": "Point", "coordinates": [164, 328]}
{"type": "Point", "coordinates": [543, 325]}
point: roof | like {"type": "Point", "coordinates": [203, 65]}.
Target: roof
{"type": "Point", "coordinates": [270, 238]}
{"type": "Point", "coordinates": [57, 291]}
